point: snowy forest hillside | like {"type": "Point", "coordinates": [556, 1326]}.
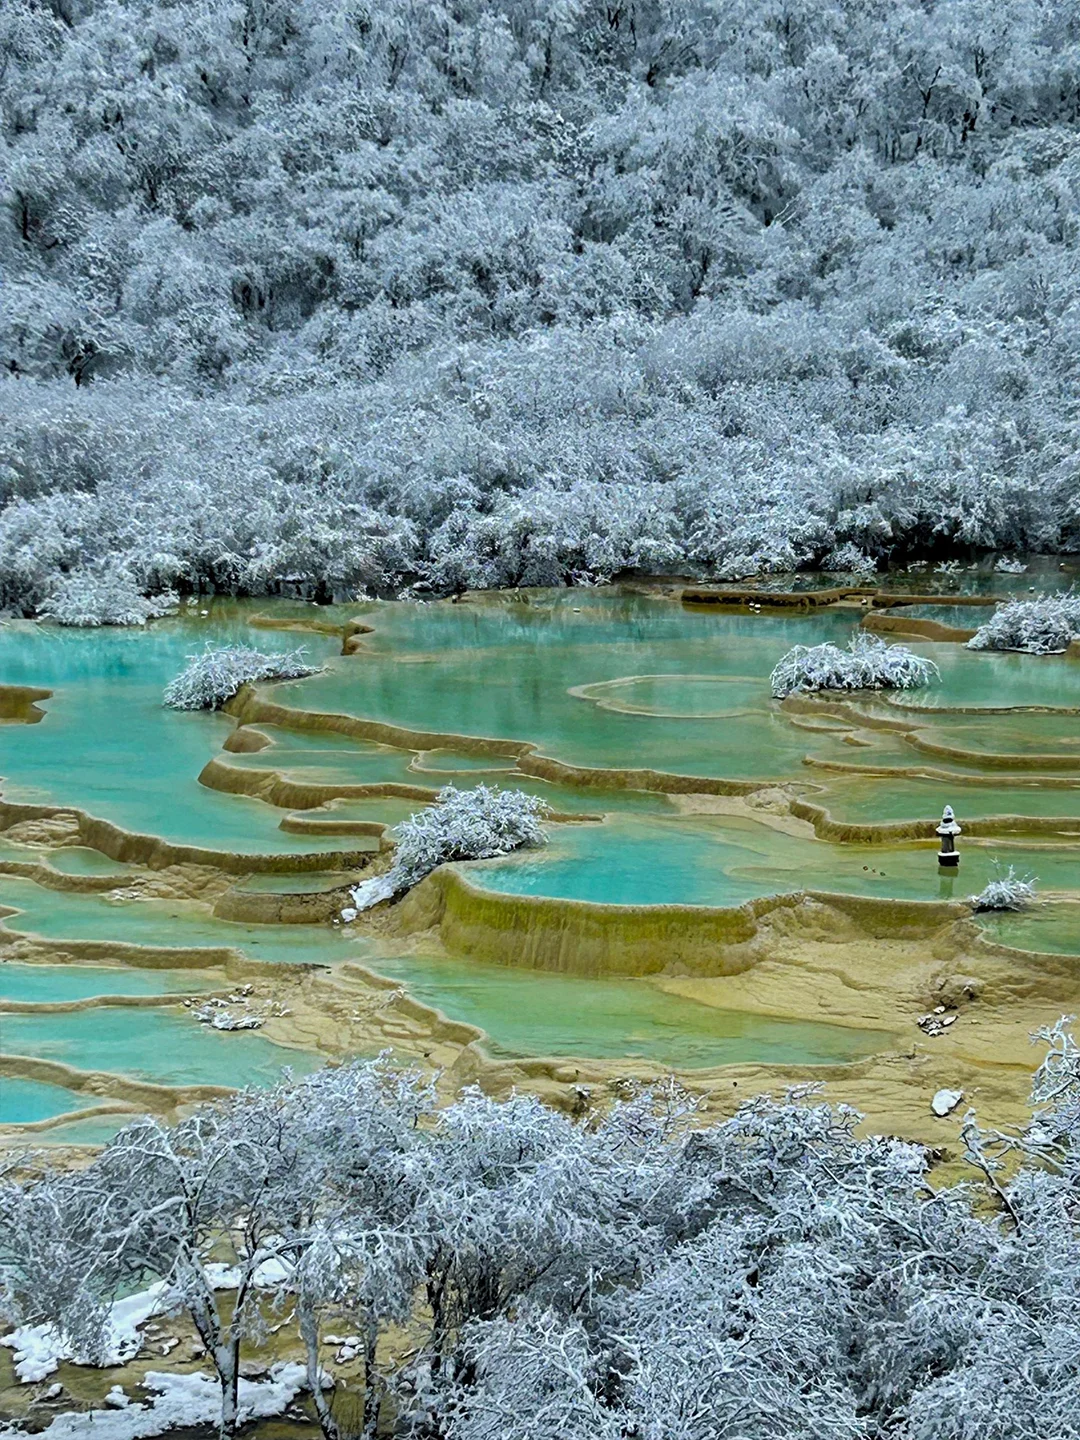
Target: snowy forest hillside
{"type": "Point", "coordinates": [361, 293]}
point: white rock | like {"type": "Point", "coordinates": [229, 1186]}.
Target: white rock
{"type": "Point", "coordinates": [349, 914]}
{"type": "Point", "coordinates": [946, 1101]}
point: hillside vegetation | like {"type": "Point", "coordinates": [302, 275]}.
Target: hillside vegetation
{"type": "Point", "coordinates": [355, 294]}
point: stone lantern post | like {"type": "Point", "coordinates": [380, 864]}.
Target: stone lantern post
{"type": "Point", "coordinates": [948, 855]}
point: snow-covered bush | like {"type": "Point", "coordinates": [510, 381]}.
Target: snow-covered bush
{"type": "Point", "coordinates": [1006, 892]}
{"type": "Point", "coordinates": [848, 559]}
{"type": "Point", "coordinates": [1043, 626]}
{"type": "Point", "coordinates": [218, 673]}
{"type": "Point", "coordinates": [868, 663]}
{"type": "Point", "coordinates": [103, 597]}
{"type": "Point", "coordinates": [475, 824]}
{"type": "Point", "coordinates": [644, 1273]}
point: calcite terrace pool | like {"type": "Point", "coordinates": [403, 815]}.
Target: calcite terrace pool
{"type": "Point", "coordinates": [736, 888]}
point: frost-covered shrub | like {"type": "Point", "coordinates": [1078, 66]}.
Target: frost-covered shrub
{"type": "Point", "coordinates": [475, 824]}
{"type": "Point", "coordinates": [868, 663]}
{"type": "Point", "coordinates": [103, 597]}
{"type": "Point", "coordinates": [1043, 626]}
{"type": "Point", "coordinates": [848, 559]}
{"type": "Point", "coordinates": [649, 1272]}
{"type": "Point", "coordinates": [1006, 892]}
{"type": "Point", "coordinates": [218, 673]}
{"type": "Point", "coordinates": [539, 326]}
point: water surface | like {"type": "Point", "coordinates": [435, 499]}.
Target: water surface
{"type": "Point", "coordinates": [533, 1012]}
{"type": "Point", "coordinates": [598, 678]}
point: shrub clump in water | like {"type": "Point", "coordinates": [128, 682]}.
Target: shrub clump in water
{"type": "Point", "coordinates": [1043, 626]}
{"type": "Point", "coordinates": [867, 664]}
{"type": "Point", "coordinates": [1006, 892]}
{"type": "Point", "coordinates": [215, 676]}
{"type": "Point", "coordinates": [95, 597]}
{"type": "Point", "coordinates": [476, 824]}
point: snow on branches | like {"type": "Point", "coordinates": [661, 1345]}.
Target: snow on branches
{"type": "Point", "coordinates": [868, 663]}
{"type": "Point", "coordinates": [475, 824]}
{"type": "Point", "coordinates": [540, 329]}
{"type": "Point", "coordinates": [212, 678]}
{"type": "Point", "coordinates": [103, 597]}
{"type": "Point", "coordinates": [1006, 892]}
{"type": "Point", "coordinates": [643, 1273]}
{"type": "Point", "coordinates": [1044, 626]}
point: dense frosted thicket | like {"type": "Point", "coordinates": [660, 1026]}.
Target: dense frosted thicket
{"type": "Point", "coordinates": [868, 663]}
{"type": "Point", "coordinates": [643, 1274]}
{"type": "Point", "coordinates": [331, 294]}
{"type": "Point", "coordinates": [218, 673]}
{"type": "Point", "coordinates": [1045, 626]}
{"type": "Point", "coordinates": [474, 824]}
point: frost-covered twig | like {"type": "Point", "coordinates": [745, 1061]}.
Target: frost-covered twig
{"type": "Point", "coordinates": [475, 824]}
{"type": "Point", "coordinates": [1043, 626]}
{"type": "Point", "coordinates": [218, 673]}
{"type": "Point", "coordinates": [867, 664]}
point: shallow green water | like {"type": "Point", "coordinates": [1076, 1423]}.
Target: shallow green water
{"type": "Point", "coordinates": [37, 983]}
{"type": "Point", "coordinates": [384, 809]}
{"type": "Point", "coordinates": [706, 861]}
{"type": "Point", "coordinates": [93, 1131]}
{"type": "Point", "coordinates": [58, 915]}
{"type": "Point", "coordinates": [161, 1045]}
{"type": "Point", "coordinates": [22, 1102]}
{"type": "Point", "coordinates": [598, 678]}
{"type": "Point", "coordinates": [299, 759]}
{"type": "Point", "coordinates": [81, 860]}
{"type": "Point", "coordinates": [311, 883]}
{"type": "Point", "coordinates": [874, 799]}
{"type": "Point", "coordinates": [109, 747]}
{"type": "Point", "coordinates": [532, 1012]}
{"type": "Point", "coordinates": [985, 678]}
{"type": "Point", "coordinates": [609, 679]}
{"type": "Point", "coordinates": [1054, 929]}
{"type": "Point", "coordinates": [506, 670]}
{"type": "Point", "coordinates": [566, 799]}
{"type": "Point", "coordinates": [302, 755]}
{"type": "Point", "coordinates": [1055, 736]}
{"type": "Point", "coordinates": [452, 763]}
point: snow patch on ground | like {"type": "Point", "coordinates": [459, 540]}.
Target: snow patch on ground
{"type": "Point", "coordinates": [268, 1273]}
{"type": "Point", "coordinates": [176, 1401]}
{"type": "Point", "coordinates": [39, 1349]}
